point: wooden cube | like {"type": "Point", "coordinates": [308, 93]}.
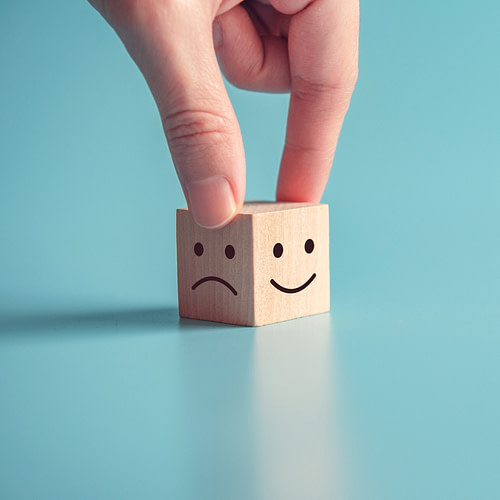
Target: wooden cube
{"type": "Point", "coordinates": [271, 263]}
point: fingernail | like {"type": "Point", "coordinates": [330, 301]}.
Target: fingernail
{"type": "Point", "coordinates": [211, 202]}
{"type": "Point", "coordinates": [217, 34]}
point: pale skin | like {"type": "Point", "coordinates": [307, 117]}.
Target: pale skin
{"type": "Point", "coordinates": [306, 47]}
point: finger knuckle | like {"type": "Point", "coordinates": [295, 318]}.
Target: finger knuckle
{"type": "Point", "coordinates": [309, 90]}
{"type": "Point", "coordinates": [196, 129]}
{"type": "Point", "coordinates": [247, 72]}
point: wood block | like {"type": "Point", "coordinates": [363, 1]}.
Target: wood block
{"type": "Point", "coordinates": [270, 264]}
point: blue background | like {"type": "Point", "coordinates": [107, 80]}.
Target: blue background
{"type": "Point", "coordinates": [104, 393]}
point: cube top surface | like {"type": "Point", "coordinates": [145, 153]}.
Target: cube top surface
{"type": "Point", "coordinates": [265, 207]}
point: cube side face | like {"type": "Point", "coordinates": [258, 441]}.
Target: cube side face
{"type": "Point", "coordinates": [214, 271]}
{"type": "Point", "coordinates": [292, 264]}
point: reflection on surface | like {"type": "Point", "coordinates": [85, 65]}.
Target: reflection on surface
{"type": "Point", "coordinates": [294, 401]}
{"type": "Point", "coordinates": [214, 372]}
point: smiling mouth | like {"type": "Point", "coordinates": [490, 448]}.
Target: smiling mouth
{"type": "Point", "coordinates": [218, 280]}
{"type": "Point", "coordinates": [293, 290]}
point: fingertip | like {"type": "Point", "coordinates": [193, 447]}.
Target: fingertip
{"type": "Point", "coordinates": [297, 182]}
{"type": "Point", "coordinates": [212, 202]}
{"type": "Point", "coordinates": [285, 194]}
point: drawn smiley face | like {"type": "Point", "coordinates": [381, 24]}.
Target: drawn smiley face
{"type": "Point", "coordinates": [230, 253]}
{"type": "Point", "coordinates": [278, 252]}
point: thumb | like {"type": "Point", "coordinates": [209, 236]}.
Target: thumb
{"type": "Point", "coordinates": [172, 45]}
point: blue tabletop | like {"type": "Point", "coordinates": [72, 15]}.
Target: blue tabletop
{"type": "Point", "coordinates": [106, 393]}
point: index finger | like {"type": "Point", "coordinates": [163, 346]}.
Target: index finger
{"type": "Point", "coordinates": [323, 51]}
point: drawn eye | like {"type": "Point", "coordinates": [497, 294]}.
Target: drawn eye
{"type": "Point", "coordinates": [229, 251]}
{"type": "Point", "coordinates": [198, 249]}
{"type": "Point", "coordinates": [309, 246]}
{"type": "Point", "coordinates": [278, 250]}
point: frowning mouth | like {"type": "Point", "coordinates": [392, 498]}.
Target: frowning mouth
{"type": "Point", "coordinates": [293, 290]}
{"type": "Point", "coordinates": [218, 280]}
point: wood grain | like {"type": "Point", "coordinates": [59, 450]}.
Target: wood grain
{"type": "Point", "coordinates": [239, 278]}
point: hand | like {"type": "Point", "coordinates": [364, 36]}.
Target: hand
{"type": "Point", "coordinates": [308, 47]}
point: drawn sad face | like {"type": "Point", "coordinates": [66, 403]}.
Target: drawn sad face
{"type": "Point", "coordinates": [230, 253]}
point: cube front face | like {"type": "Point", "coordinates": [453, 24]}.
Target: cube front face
{"type": "Point", "coordinates": [270, 264]}
{"type": "Point", "coordinates": [214, 271]}
{"type": "Point", "coordinates": [292, 271]}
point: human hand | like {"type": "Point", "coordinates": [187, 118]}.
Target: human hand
{"type": "Point", "coordinates": [307, 47]}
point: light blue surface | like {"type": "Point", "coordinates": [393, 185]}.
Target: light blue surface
{"type": "Point", "coordinates": [104, 393]}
